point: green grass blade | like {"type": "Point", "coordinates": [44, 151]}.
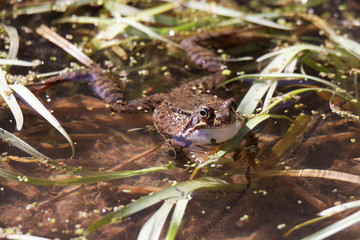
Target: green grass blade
{"type": "Point", "coordinates": [176, 219]}
{"type": "Point", "coordinates": [153, 226]}
{"type": "Point", "coordinates": [312, 173]}
{"type": "Point", "coordinates": [339, 208]}
{"type": "Point", "coordinates": [179, 191]}
{"type": "Point", "coordinates": [296, 48]}
{"type": "Point", "coordinates": [264, 22]}
{"type": "Point", "coordinates": [132, 20]}
{"type": "Point", "coordinates": [283, 58]}
{"type": "Point", "coordinates": [349, 45]}
{"type": "Point", "coordinates": [253, 97]}
{"type": "Point", "coordinates": [25, 179]}
{"type": "Point", "coordinates": [8, 96]}
{"type": "Point", "coordinates": [24, 237]}
{"type": "Point", "coordinates": [85, 177]}
{"type": "Point", "coordinates": [17, 142]}
{"type": "Point", "coordinates": [59, 5]}
{"type": "Point", "coordinates": [228, 12]}
{"type": "Point", "coordinates": [141, 27]}
{"type": "Point", "coordinates": [17, 62]}
{"type": "Point", "coordinates": [77, 179]}
{"type": "Point", "coordinates": [296, 128]}
{"type": "Point", "coordinates": [290, 68]}
{"type": "Point", "coordinates": [20, 144]}
{"type": "Point", "coordinates": [270, 93]}
{"type": "Point", "coordinates": [265, 85]}
{"type": "Point", "coordinates": [120, 9]}
{"type": "Point", "coordinates": [289, 77]}
{"type": "Point", "coordinates": [86, 20]}
{"type": "Point", "coordinates": [14, 40]}
{"type": "Point", "coordinates": [81, 177]}
{"type": "Point", "coordinates": [334, 228]}
{"type": "Point", "coordinates": [30, 99]}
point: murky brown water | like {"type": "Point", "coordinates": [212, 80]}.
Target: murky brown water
{"type": "Point", "coordinates": [103, 142]}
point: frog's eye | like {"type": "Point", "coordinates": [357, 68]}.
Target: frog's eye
{"type": "Point", "coordinates": [204, 112]}
{"type": "Point", "coordinates": [234, 106]}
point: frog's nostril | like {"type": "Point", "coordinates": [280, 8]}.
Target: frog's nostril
{"type": "Point", "coordinates": [217, 121]}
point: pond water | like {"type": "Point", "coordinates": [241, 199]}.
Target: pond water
{"type": "Point", "coordinates": [267, 209]}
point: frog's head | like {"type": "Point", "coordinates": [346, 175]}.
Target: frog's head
{"type": "Point", "coordinates": [213, 124]}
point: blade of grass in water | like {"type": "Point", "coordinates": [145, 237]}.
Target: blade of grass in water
{"type": "Point", "coordinates": [142, 28]}
{"type": "Point", "coordinates": [14, 40]}
{"type": "Point", "coordinates": [8, 96]}
{"type": "Point", "coordinates": [176, 218]}
{"type": "Point", "coordinates": [265, 85]}
{"type": "Point", "coordinates": [47, 6]}
{"type": "Point", "coordinates": [335, 227]}
{"type": "Point", "coordinates": [325, 174]}
{"type": "Point", "coordinates": [123, 22]}
{"type": "Point", "coordinates": [349, 45]}
{"type": "Point", "coordinates": [64, 44]}
{"type": "Point", "coordinates": [290, 68]}
{"type": "Point", "coordinates": [298, 127]}
{"type": "Point", "coordinates": [152, 228]}
{"type": "Point", "coordinates": [101, 22]}
{"type": "Point", "coordinates": [24, 237]}
{"type": "Point", "coordinates": [30, 99]}
{"type": "Point", "coordinates": [313, 173]}
{"type": "Point", "coordinates": [18, 62]}
{"type": "Point", "coordinates": [178, 191]}
{"type": "Point", "coordinates": [117, 9]}
{"type": "Point", "coordinates": [339, 208]}
{"type": "Point", "coordinates": [278, 65]}
{"type": "Point", "coordinates": [290, 77]}
{"type": "Point", "coordinates": [148, 31]}
{"type": "Point", "coordinates": [78, 177]}
{"type": "Point", "coordinates": [41, 158]}
{"type": "Point", "coordinates": [120, 9]}
{"type": "Point", "coordinates": [20, 144]}
{"type": "Point", "coordinates": [297, 48]}
{"type": "Point", "coordinates": [228, 12]}
{"type": "Point", "coordinates": [76, 180]}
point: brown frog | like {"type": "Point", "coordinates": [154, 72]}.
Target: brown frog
{"type": "Point", "coordinates": [185, 116]}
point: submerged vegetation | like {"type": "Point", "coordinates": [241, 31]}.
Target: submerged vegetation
{"type": "Point", "coordinates": [291, 52]}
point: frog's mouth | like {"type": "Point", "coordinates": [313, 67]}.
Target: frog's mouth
{"type": "Point", "coordinates": [201, 135]}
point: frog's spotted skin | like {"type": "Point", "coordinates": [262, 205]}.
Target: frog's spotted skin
{"type": "Point", "coordinates": [185, 116]}
{"type": "Point", "coordinates": [196, 119]}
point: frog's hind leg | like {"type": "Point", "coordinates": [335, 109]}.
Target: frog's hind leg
{"type": "Point", "coordinates": [103, 83]}
{"type": "Point", "coordinates": [202, 56]}
{"type": "Point", "coordinates": [106, 87]}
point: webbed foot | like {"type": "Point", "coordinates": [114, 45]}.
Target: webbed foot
{"type": "Point", "coordinates": [173, 151]}
{"type": "Point", "coordinates": [249, 150]}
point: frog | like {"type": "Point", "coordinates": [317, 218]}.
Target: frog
{"type": "Point", "coordinates": [185, 116]}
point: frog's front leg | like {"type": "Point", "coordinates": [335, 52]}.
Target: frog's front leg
{"type": "Point", "coordinates": [172, 150]}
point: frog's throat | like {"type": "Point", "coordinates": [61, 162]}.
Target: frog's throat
{"type": "Point", "coordinates": [202, 136]}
